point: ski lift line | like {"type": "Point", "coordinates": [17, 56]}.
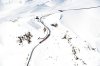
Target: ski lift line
{"type": "Point", "coordinates": [84, 8]}
{"type": "Point", "coordinates": [60, 10]}
{"type": "Point", "coordinates": [81, 8]}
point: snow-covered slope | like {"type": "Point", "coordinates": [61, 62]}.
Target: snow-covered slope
{"type": "Point", "coordinates": [63, 47]}
{"type": "Point", "coordinates": [33, 35]}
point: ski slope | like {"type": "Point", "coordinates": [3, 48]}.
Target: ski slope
{"type": "Point", "coordinates": [36, 33]}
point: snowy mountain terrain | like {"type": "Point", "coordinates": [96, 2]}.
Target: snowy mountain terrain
{"type": "Point", "coordinates": [49, 33]}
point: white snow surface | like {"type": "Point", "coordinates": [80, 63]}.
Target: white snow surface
{"type": "Point", "coordinates": [73, 42]}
